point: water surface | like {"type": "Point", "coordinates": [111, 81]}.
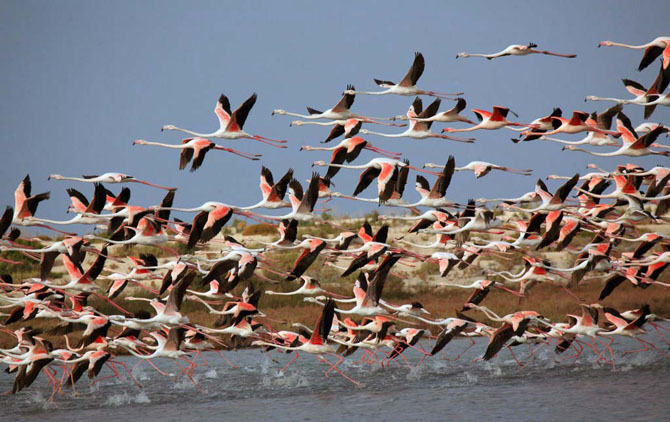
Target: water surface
{"type": "Point", "coordinates": [437, 389]}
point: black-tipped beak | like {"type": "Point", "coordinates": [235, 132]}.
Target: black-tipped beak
{"type": "Point", "coordinates": [456, 55]}
{"type": "Point", "coordinates": [161, 129]}
{"type": "Point", "coordinates": [272, 114]}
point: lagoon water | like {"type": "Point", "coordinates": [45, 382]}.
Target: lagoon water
{"type": "Point", "coordinates": [437, 389]}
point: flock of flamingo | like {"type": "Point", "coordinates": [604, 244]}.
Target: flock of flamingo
{"type": "Point", "coordinates": [519, 232]}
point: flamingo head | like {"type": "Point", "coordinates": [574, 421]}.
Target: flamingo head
{"type": "Point", "coordinates": [168, 127]}
{"type": "Point", "coordinates": [278, 111]}
{"type": "Point", "coordinates": [296, 123]}
{"type": "Point", "coordinates": [605, 44]}
{"type": "Point", "coordinates": [319, 163]}
{"type": "Point", "coordinates": [306, 148]}
{"type": "Point", "coordinates": [55, 177]}
{"type": "Point", "coordinates": [464, 55]}
{"type": "Point", "coordinates": [139, 142]}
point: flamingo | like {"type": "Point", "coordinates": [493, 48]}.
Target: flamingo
{"type": "Point", "coordinates": [602, 121]}
{"type": "Point", "coordinates": [302, 204]}
{"type": "Point", "coordinates": [482, 168]}
{"type": "Point", "coordinates": [420, 129]}
{"type": "Point", "coordinates": [555, 202]}
{"type": "Point", "coordinates": [231, 124]}
{"type": "Point", "coordinates": [489, 120]}
{"type": "Point", "coordinates": [576, 124]}
{"type": "Point", "coordinates": [449, 116]}
{"type": "Point", "coordinates": [633, 146]}
{"type": "Point", "coordinates": [348, 150]}
{"type": "Point", "coordinates": [108, 178]}
{"type": "Point", "coordinates": [516, 50]}
{"type": "Point", "coordinates": [436, 197]}
{"type": "Point", "coordinates": [25, 204]}
{"type": "Point", "coordinates": [407, 86]}
{"type": "Point", "coordinates": [653, 49]}
{"type": "Point", "coordinates": [195, 149]}
{"type": "Point", "coordinates": [339, 112]}
{"type": "Point", "coordinates": [380, 168]}
{"type": "Point", "coordinates": [540, 125]}
{"type": "Point", "coordinates": [317, 343]}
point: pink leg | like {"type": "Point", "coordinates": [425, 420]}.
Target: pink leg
{"type": "Point", "coordinates": [656, 327]}
{"type": "Point", "coordinates": [189, 376]}
{"type": "Point", "coordinates": [259, 139]}
{"type": "Point", "coordinates": [463, 352]}
{"type": "Point", "coordinates": [297, 355]}
{"type": "Point", "coordinates": [227, 361]}
{"type": "Point", "coordinates": [653, 346]}
{"type": "Point", "coordinates": [514, 356]}
{"type": "Point", "coordinates": [153, 365]}
{"type": "Point", "coordinates": [336, 369]}
{"type": "Point", "coordinates": [130, 374]}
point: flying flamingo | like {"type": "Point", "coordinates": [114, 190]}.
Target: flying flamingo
{"type": "Point", "coordinates": [576, 124]}
{"type": "Point", "coordinates": [489, 120]}
{"type": "Point", "coordinates": [339, 112]}
{"type": "Point", "coordinates": [302, 205]}
{"type": "Point", "coordinates": [107, 178]}
{"type": "Point", "coordinates": [380, 168]}
{"type": "Point", "coordinates": [540, 125]}
{"type": "Point", "coordinates": [449, 116]}
{"type": "Point", "coordinates": [317, 343]}
{"type": "Point", "coordinates": [231, 124]}
{"type": "Point", "coordinates": [421, 129]}
{"type": "Point", "coordinates": [652, 50]}
{"type": "Point", "coordinates": [407, 86]}
{"type": "Point", "coordinates": [482, 168]}
{"type": "Point", "coordinates": [25, 204]}
{"type": "Point", "coordinates": [516, 50]}
{"type": "Point", "coordinates": [633, 146]}
{"type": "Point", "coordinates": [348, 128]}
{"type": "Point", "coordinates": [195, 149]}
{"type": "Point", "coordinates": [602, 121]}
{"type": "Point", "coordinates": [348, 150]}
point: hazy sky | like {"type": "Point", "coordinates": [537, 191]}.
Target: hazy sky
{"type": "Point", "coordinates": [82, 80]}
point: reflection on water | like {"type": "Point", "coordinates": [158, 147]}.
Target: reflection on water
{"type": "Point", "coordinates": [544, 390]}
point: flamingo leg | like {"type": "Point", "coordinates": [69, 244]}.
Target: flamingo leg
{"type": "Point", "coordinates": [653, 346]}
{"type": "Point", "coordinates": [466, 349]}
{"type": "Point", "coordinates": [188, 374]}
{"type": "Point", "coordinates": [336, 369]}
{"type": "Point", "coordinates": [130, 374]}
{"type": "Point", "coordinates": [266, 141]}
{"type": "Point", "coordinates": [227, 361]}
{"type": "Point", "coordinates": [515, 358]}
{"type": "Point", "coordinates": [297, 355]}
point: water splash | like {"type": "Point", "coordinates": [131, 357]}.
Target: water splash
{"type": "Point", "coordinates": [125, 398]}
{"type": "Point", "coordinates": [211, 374]}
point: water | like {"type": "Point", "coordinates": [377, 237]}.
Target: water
{"type": "Point", "coordinates": [438, 389]}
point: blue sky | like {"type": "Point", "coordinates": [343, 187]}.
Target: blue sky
{"type": "Point", "coordinates": [82, 80]}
